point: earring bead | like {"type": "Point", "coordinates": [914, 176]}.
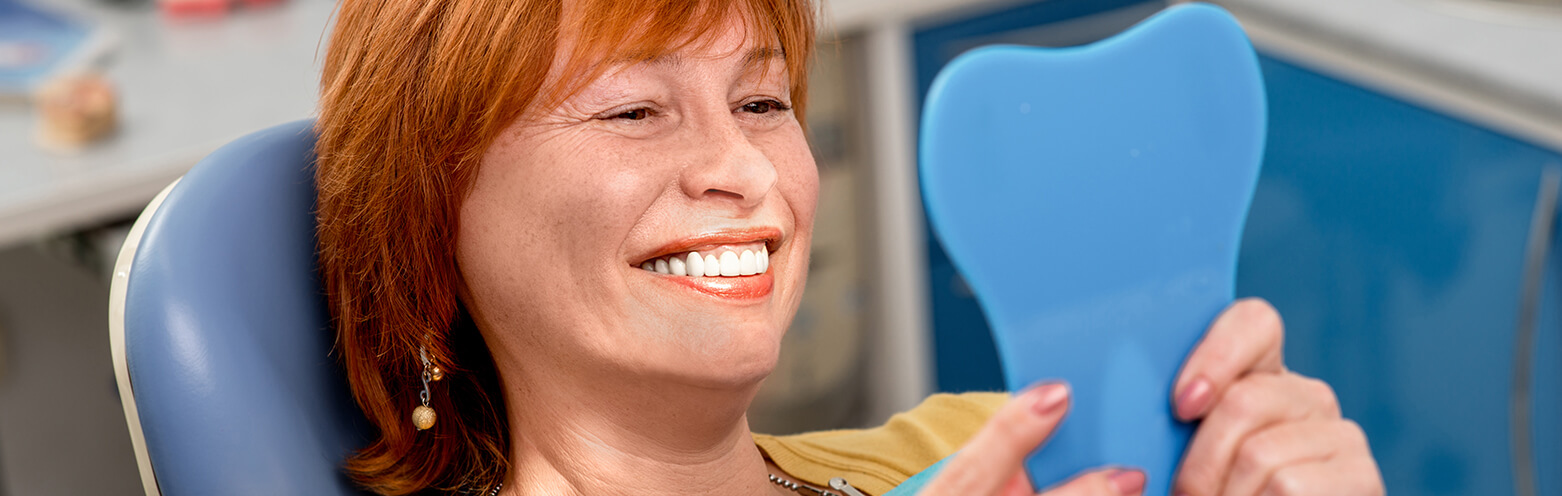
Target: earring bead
{"type": "Point", "coordinates": [423, 417]}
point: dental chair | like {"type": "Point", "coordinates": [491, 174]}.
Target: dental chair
{"type": "Point", "coordinates": [219, 331]}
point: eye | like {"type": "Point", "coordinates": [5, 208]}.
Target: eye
{"type": "Point", "coordinates": [633, 114]}
{"type": "Point", "coordinates": [765, 107]}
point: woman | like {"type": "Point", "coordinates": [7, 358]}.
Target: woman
{"type": "Point", "coordinates": [576, 232]}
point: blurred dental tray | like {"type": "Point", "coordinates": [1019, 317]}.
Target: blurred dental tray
{"type": "Point", "coordinates": [1093, 197]}
{"type": "Point", "coordinates": [36, 44]}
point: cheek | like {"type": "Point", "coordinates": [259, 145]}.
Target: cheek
{"type": "Point", "coordinates": [805, 188]}
{"type": "Point", "coordinates": [545, 213]}
{"type": "Point", "coordinates": [797, 177]}
{"type": "Point", "coordinates": [798, 184]}
{"type": "Point", "coordinates": [571, 193]}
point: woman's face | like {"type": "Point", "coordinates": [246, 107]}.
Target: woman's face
{"type": "Point", "coordinates": [694, 152]}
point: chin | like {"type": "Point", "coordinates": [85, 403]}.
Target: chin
{"type": "Point", "coordinates": [741, 367]}
{"type": "Point", "coordinates": [753, 371]}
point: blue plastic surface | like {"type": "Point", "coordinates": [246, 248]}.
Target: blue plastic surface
{"type": "Point", "coordinates": [226, 330]}
{"type": "Point", "coordinates": [914, 485]}
{"type": "Point", "coordinates": [961, 334]}
{"type": "Point", "coordinates": [1094, 199]}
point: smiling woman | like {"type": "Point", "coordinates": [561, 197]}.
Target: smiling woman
{"type": "Point", "coordinates": [417, 95]}
{"type": "Point", "coordinates": [561, 242]}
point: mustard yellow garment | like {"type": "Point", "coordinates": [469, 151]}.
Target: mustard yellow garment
{"type": "Point", "coordinates": [878, 459]}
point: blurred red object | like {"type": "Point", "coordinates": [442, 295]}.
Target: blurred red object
{"type": "Point", "coordinates": [194, 8]}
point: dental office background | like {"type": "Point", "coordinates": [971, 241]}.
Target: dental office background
{"type": "Point", "coordinates": [1401, 225]}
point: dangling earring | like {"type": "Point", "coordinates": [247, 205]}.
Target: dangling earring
{"type": "Point", "coordinates": [423, 416]}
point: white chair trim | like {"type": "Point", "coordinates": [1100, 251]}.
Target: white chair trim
{"type": "Point", "coordinates": [116, 336]}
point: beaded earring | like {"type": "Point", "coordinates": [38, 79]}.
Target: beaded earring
{"type": "Point", "coordinates": [423, 416]}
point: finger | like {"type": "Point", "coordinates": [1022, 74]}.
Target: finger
{"type": "Point", "coordinates": [1355, 475]}
{"type": "Point", "coordinates": [1019, 485]}
{"type": "Point", "coordinates": [1247, 337]}
{"type": "Point", "coordinates": [1287, 444]}
{"type": "Point", "coordinates": [1251, 405]}
{"type": "Point", "coordinates": [1110, 482]}
{"type": "Point", "coordinates": [992, 457]}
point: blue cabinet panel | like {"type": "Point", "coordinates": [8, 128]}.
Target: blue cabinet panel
{"type": "Point", "coordinates": [1391, 238]}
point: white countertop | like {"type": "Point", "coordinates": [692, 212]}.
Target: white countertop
{"type": "Point", "coordinates": [186, 87]}
{"type": "Point", "coordinates": [1501, 62]}
{"type": "Point", "coordinates": [1486, 45]}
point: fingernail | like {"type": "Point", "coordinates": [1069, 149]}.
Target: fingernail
{"type": "Point", "coordinates": [1194, 399]}
{"type": "Point", "coordinates": [1049, 398]}
{"type": "Point", "coordinates": [1127, 482]}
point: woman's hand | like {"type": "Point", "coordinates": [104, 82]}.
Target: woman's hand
{"type": "Point", "coordinates": [991, 463]}
{"type": "Point", "coordinates": [1266, 431]}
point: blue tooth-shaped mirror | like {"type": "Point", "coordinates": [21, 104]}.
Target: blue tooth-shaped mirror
{"type": "Point", "coordinates": [1093, 197]}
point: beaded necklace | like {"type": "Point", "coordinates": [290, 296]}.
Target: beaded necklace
{"type": "Point", "coordinates": [838, 484]}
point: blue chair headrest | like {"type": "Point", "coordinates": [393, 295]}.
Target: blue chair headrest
{"type": "Point", "coordinates": [225, 331]}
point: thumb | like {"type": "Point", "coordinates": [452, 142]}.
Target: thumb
{"type": "Point", "coordinates": [990, 460]}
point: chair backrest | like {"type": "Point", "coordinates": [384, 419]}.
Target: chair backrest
{"type": "Point", "coordinates": [1093, 197]}
{"type": "Point", "coordinates": [220, 335]}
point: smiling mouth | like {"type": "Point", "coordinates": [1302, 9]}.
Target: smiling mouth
{"type": "Point", "coordinates": [728, 264]}
{"type": "Point", "coordinates": [722, 262]}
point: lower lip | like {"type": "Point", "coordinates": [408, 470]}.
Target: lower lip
{"type": "Point", "coordinates": [732, 288]}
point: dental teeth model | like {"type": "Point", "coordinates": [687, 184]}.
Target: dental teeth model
{"type": "Point", "coordinates": [729, 264]}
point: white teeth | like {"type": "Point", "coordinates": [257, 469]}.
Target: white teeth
{"type": "Point", "coordinates": [746, 264]}
{"type": "Point", "coordinates": [729, 265]}
{"type": "Point", "coordinates": [696, 264]}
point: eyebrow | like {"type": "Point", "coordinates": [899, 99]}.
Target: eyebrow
{"type": "Point", "coordinates": [760, 56]}
{"type": "Point", "coordinates": [755, 58]}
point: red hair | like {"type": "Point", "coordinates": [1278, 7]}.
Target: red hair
{"type": "Point", "coordinates": [412, 94]}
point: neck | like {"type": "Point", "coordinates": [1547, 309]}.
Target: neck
{"type": "Point", "coordinates": [629, 436]}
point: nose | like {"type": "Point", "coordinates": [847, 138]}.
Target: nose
{"type": "Point", "coordinates": [727, 167]}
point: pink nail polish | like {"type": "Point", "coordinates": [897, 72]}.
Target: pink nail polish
{"type": "Point", "coordinates": [1194, 399]}
{"type": "Point", "coordinates": [1049, 398]}
{"type": "Point", "coordinates": [1128, 482]}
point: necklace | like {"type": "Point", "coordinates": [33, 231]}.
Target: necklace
{"type": "Point", "coordinates": [491, 492]}
{"type": "Point", "coordinates": [838, 484]}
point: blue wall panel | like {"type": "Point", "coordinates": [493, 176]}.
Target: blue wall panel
{"type": "Point", "coordinates": [1391, 238]}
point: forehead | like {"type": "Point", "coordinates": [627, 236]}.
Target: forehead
{"type": "Point", "coordinates": [600, 36]}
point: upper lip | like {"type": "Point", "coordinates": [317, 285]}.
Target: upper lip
{"type": "Point", "coordinates": [771, 236]}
